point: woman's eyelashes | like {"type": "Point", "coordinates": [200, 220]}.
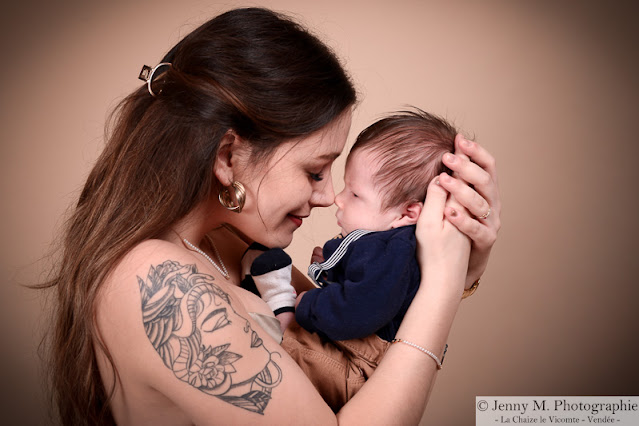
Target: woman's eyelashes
{"type": "Point", "coordinates": [317, 176]}
{"type": "Point", "coordinates": [322, 171]}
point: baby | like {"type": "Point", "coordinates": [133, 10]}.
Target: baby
{"type": "Point", "coordinates": [367, 277]}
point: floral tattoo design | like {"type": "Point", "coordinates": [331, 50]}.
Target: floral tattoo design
{"type": "Point", "coordinates": [193, 327]}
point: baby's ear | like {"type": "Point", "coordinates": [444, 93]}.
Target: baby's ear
{"type": "Point", "coordinates": [409, 215]}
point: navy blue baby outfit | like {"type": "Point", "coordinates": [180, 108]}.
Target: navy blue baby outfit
{"type": "Point", "coordinates": [368, 291]}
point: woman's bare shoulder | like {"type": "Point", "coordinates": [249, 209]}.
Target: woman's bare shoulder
{"type": "Point", "coordinates": [148, 252]}
{"type": "Point", "coordinates": [137, 280]}
{"type": "Point", "coordinates": [142, 259]}
{"type": "Point", "coordinates": [178, 335]}
{"type": "Point", "coordinates": [119, 304]}
{"type": "Point", "coordinates": [119, 317]}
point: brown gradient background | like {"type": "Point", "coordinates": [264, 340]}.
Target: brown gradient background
{"type": "Point", "coordinates": [549, 87]}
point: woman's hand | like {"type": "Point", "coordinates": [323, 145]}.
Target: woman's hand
{"type": "Point", "coordinates": [479, 218]}
{"type": "Point", "coordinates": [441, 247]}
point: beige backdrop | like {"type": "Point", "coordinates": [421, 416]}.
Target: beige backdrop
{"type": "Point", "coordinates": [549, 87]}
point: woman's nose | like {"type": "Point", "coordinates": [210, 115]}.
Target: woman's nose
{"type": "Point", "coordinates": [323, 195]}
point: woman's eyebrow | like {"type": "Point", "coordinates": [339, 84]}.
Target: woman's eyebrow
{"type": "Point", "coordinates": [330, 155]}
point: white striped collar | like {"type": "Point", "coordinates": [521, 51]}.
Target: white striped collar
{"type": "Point", "coordinates": [316, 268]}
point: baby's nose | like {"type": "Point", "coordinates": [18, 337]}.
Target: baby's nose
{"type": "Point", "coordinates": [338, 200]}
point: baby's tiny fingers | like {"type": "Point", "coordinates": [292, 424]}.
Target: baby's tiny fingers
{"type": "Point", "coordinates": [317, 255]}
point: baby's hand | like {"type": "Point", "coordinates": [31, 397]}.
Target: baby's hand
{"type": "Point", "coordinates": [270, 270]}
{"type": "Point", "coordinates": [317, 255]}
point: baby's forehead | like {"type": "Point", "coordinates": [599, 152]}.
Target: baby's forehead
{"type": "Point", "coordinates": [362, 168]}
{"type": "Point", "coordinates": [365, 156]}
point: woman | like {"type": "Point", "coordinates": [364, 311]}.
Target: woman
{"type": "Point", "coordinates": [230, 142]}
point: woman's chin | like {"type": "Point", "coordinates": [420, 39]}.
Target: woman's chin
{"type": "Point", "coordinates": [279, 239]}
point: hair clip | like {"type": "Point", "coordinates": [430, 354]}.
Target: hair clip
{"type": "Point", "coordinates": [146, 74]}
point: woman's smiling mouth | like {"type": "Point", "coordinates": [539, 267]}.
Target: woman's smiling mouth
{"type": "Point", "coordinates": [297, 220]}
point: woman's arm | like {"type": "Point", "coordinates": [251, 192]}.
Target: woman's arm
{"type": "Point", "coordinates": [473, 165]}
{"type": "Point", "coordinates": [398, 391]}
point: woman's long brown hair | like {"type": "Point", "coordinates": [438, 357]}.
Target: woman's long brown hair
{"type": "Point", "coordinates": [250, 70]}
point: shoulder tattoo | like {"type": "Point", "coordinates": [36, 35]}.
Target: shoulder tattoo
{"type": "Point", "coordinates": [191, 323]}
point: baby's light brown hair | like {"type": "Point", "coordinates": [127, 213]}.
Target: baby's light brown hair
{"type": "Point", "coordinates": [408, 147]}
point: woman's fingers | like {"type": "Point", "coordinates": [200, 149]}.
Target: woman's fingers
{"type": "Point", "coordinates": [467, 216]}
{"type": "Point", "coordinates": [433, 209]}
{"type": "Point", "coordinates": [468, 171]}
{"type": "Point", "coordinates": [469, 198]}
{"type": "Point", "coordinates": [459, 138]}
{"type": "Point", "coordinates": [439, 242]}
{"type": "Point", "coordinates": [480, 217]}
{"type": "Point", "coordinates": [480, 172]}
{"type": "Point", "coordinates": [478, 154]}
{"type": "Point", "coordinates": [473, 165]}
{"type": "Point", "coordinates": [483, 236]}
{"type": "Point", "coordinates": [473, 186]}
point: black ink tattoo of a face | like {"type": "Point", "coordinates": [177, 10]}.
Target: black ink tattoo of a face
{"type": "Point", "coordinates": [193, 327]}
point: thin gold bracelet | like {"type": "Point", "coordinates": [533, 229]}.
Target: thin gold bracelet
{"type": "Point", "coordinates": [472, 289]}
{"type": "Point", "coordinates": [426, 351]}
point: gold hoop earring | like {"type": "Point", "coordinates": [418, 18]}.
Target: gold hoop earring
{"type": "Point", "coordinates": [234, 202]}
